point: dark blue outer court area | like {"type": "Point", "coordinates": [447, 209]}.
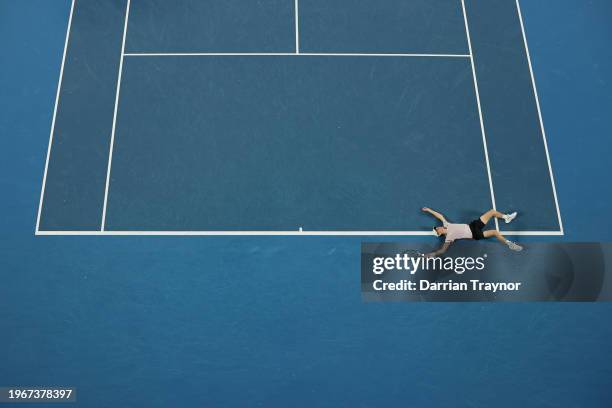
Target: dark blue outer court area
{"type": "Point", "coordinates": [253, 321]}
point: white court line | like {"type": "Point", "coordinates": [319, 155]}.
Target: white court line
{"type": "Point", "coordinates": [482, 128]}
{"type": "Point", "coordinates": [112, 141]}
{"type": "Point", "coordinates": [275, 233]}
{"type": "Point", "coordinates": [288, 54]}
{"type": "Point", "coordinates": [537, 98]}
{"type": "Point", "coordinates": [57, 97]}
{"type": "Point", "coordinates": [220, 233]}
{"type": "Point", "coordinates": [532, 233]}
{"type": "Point", "coordinates": [297, 27]}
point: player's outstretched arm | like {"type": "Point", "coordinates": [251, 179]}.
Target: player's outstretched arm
{"type": "Point", "coordinates": [439, 252]}
{"type": "Point", "coordinates": [434, 213]}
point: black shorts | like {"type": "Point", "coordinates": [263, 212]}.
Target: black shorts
{"type": "Point", "coordinates": [476, 227]}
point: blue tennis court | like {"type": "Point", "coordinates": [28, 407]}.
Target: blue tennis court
{"type": "Point", "coordinates": [294, 117]}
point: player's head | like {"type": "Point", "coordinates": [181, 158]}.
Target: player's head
{"type": "Point", "coordinates": [439, 231]}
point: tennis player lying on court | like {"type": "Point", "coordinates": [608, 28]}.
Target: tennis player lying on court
{"type": "Point", "coordinates": [473, 230]}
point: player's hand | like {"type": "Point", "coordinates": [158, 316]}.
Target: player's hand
{"type": "Point", "coordinates": [426, 209]}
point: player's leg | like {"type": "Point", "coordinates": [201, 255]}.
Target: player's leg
{"type": "Point", "coordinates": [494, 233]}
{"type": "Point", "coordinates": [494, 213]}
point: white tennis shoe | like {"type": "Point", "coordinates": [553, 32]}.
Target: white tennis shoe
{"type": "Point", "coordinates": [513, 246]}
{"type": "Point", "coordinates": [509, 217]}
